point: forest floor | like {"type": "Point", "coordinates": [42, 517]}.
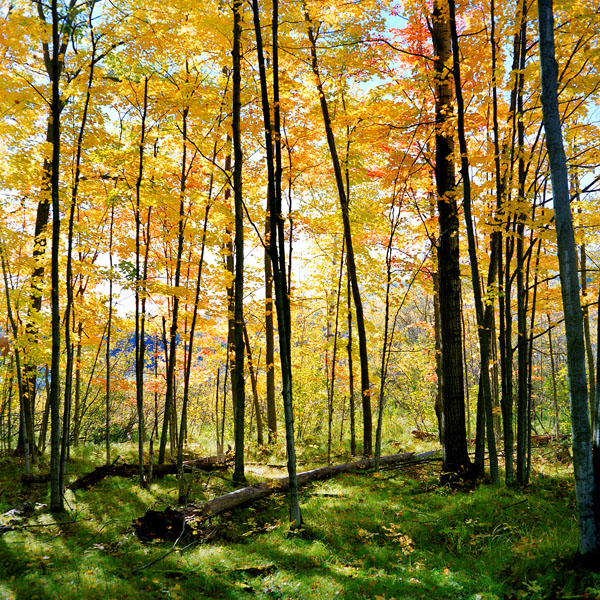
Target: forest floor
{"type": "Point", "coordinates": [389, 534]}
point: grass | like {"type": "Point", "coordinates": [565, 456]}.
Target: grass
{"type": "Point", "coordinates": [392, 534]}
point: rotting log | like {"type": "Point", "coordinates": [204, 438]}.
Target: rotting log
{"type": "Point", "coordinates": [173, 523]}
{"type": "Point", "coordinates": [211, 463]}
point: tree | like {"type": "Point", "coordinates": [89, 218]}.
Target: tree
{"type": "Point", "coordinates": [276, 247]}
{"type": "Point", "coordinates": [237, 374]}
{"type": "Point", "coordinates": [350, 259]}
{"type": "Point", "coordinates": [453, 431]}
{"type": "Point", "coordinates": [586, 469]}
{"type": "Point", "coordinates": [56, 482]}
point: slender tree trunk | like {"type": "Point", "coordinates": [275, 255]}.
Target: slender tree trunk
{"type": "Point", "coordinates": [77, 408]}
{"type": "Point", "coordinates": [237, 375]}
{"type": "Point", "coordinates": [269, 337]}
{"type": "Point", "coordinates": [54, 70]}
{"type": "Point", "coordinates": [56, 489]}
{"type": "Point", "coordinates": [169, 393]}
{"type": "Point", "coordinates": [253, 380]}
{"type": "Point", "coordinates": [586, 330]}
{"type": "Point", "coordinates": [523, 428]}
{"type": "Point", "coordinates": [66, 425]}
{"type": "Point", "coordinates": [22, 397]}
{"type": "Point", "coordinates": [360, 320]}
{"type": "Point", "coordinates": [277, 248]}
{"type": "Point", "coordinates": [553, 373]}
{"type": "Point", "coordinates": [109, 334]}
{"type": "Point", "coordinates": [484, 321]}
{"type": "Point", "coordinates": [585, 473]}
{"type": "Point", "coordinates": [140, 294]}
{"type": "Point", "coordinates": [331, 389]}
{"type": "Point", "coordinates": [351, 374]}
{"type": "Point", "coordinates": [190, 352]}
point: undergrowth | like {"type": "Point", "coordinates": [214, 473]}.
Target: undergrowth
{"type": "Point", "coordinates": [391, 534]}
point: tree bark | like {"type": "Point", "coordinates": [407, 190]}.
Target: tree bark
{"type": "Point", "coordinates": [585, 474]}
{"type": "Point", "coordinates": [56, 489]}
{"type": "Point", "coordinates": [254, 382]}
{"type": "Point", "coordinates": [277, 247]}
{"type": "Point", "coordinates": [237, 375]}
{"type": "Point", "coordinates": [454, 438]}
{"type": "Point", "coordinates": [484, 316]}
{"type": "Point", "coordinates": [140, 294]}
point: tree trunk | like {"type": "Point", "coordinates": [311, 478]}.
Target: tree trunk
{"type": "Point", "coordinates": [351, 375]}
{"type": "Point", "coordinates": [237, 374]}
{"type": "Point", "coordinates": [253, 380]}
{"type": "Point", "coordinates": [109, 335]}
{"type": "Point", "coordinates": [54, 70]}
{"type": "Point", "coordinates": [14, 327]}
{"type": "Point", "coordinates": [360, 320]}
{"type": "Point", "coordinates": [140, 295]}
{"type": "Point", "coordinates": [269, 337]}
{"type": "Point", "coordinates": [56, 489]}
{"type": "Point", "coordinates": [485, 316]}
{"type": "Point", "coordinates": [585, 475]}
{"type": "Point", "coordinates": [277, 248]}
{"type": "Point", "coordinates": [169, 392]}
{"type": "Point", "coordinates": [454, 439]}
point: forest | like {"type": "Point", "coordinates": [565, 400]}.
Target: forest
{"type": "Point", "coordinates": [299, 299]}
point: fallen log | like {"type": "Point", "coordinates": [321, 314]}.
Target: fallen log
{"type": "Point", "coordinates": [210, 463]}
{"type": "Point", "coordinates": [173, 523]}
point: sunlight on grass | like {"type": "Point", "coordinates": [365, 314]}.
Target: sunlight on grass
{"type": "Point", "coordinates": [392, 534]}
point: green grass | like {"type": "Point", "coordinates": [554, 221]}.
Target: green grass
{"type": "Point", "coordinates": [392, 534]}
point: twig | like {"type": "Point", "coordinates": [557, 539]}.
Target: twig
{"type": "Point", "coordinates": [173, 548]}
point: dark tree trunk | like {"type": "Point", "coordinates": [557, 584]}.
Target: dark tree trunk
{"type": "Point", "coordinates": [269, 337]}
{"type": "Point", "coordinates": [352, 275]}
{"type": "Point", "coordinates": [351, 375]}
{"type": "Point", "coordinates": [277, 248]}
{"type": "Point", "coordinates": [169, 392]}
{"type": "Point", "coordinates": [140, 294]}
{"type": "Point", "coordinates": [237, 374]}
{"type": "Point", "coordinates": [485, 316]}
{"type": "Point", "coordinates": [69, 317]}
{"type": "Point", "coordinates": [253, 380]}
{"type": "Point", "coordinates": [523, 400]}
{"type": "Point", "coordinates": [54, 70]}
{"type": "Point", "coordinates": [56, 489]}
{"type": "Point", "coordinates": [109, 335]}
{"type": "Point", "coordinates": [454, 438]}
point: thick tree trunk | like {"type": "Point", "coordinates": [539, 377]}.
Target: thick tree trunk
{"type": "Point", "coordinates": [454, 438]}
{"type": "Point", "coordinates": [585, 477]}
